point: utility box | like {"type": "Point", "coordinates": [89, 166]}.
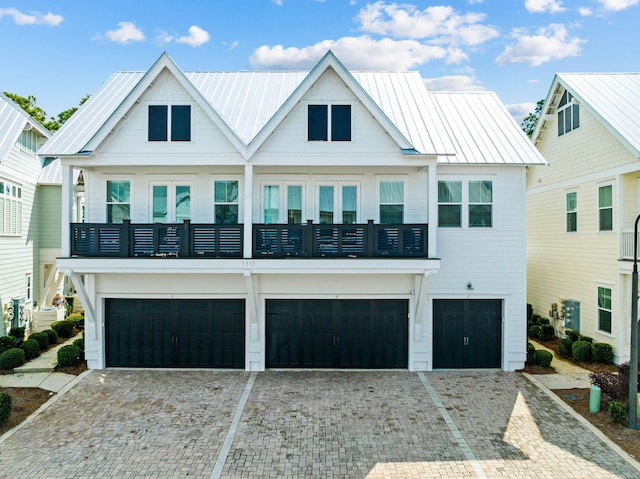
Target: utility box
{"type": "Point", "coordinates": [571, 314]}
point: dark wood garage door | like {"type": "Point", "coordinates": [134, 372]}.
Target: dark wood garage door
{"type": "Point", "coordinates": [175, 333]}
{"type": "Point", "coordinates": [318, 333]}
{"type": "Point", "coordinates": [467, 333]}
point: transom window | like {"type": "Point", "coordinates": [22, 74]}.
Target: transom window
{"type": "Point", "coordinates": [604, 309]}
{"type": "Point", "coordinates": [568, 114]}
{"type": "Point", "coordinates": [118, 200]}
{"type": "Point", "coordinates": [320, 122]}
{"type": "Point", "coordinates": [391, 201]}
{"type": "Point", "coordinates": [225, 201]}
{"type": "Point", "coordinates": [176, 120]}
{"type": "Point", "coordinates": [10, 209]}
{"type": "Point", "coordinates": [605, 207]}
{"type": "Point", "coordinates": [572, 211]}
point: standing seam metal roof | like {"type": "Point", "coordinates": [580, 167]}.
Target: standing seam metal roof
{"type": "Point", "coordinates": [12, 121]}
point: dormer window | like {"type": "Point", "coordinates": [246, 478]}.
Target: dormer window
{"type": "Point", "coordinates": [320, 123]}
{"type": "Point", "coordinates": [568, 114]}
{"type": "Point", "coordinates": [164, 120]}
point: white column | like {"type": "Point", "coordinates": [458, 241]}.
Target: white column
{"type": "Point", "coordinates": [433, 210]}
{"type": "Point", "coordinates": [248, 209]}
{"type": "Point", "coordinates": [67, 209]}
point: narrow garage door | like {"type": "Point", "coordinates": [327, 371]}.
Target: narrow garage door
{"type": "Point", "coordinates": [318, 333]}
{"type": "Point", "coordinates": [467, 333]}
{"type": "Point", "coordinates": [175, 333]}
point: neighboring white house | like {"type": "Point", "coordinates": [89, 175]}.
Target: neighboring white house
{"type": "Point", "coordinates": [583, 205]}
{"type": "Point", "coordinates": [20, 168]}
{"type": "Point", "coordinates": [322, 219]}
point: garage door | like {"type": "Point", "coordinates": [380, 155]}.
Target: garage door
{"type": "Point", "coordinates": [317, 333]}
{"type": "Point", "coordinates": [175, 333]}
{"type": "Point", "coordinates": [467, 333]}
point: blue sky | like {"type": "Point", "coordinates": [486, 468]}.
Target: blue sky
{"type": "Point", "coordinates": [60, 51]}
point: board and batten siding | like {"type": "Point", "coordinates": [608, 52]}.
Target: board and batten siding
{"type": "Point", "coordinates": [492, 259]}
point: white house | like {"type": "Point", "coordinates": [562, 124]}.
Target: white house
{"type": "Point", "coordinates": [583, 205]}
{"type": "Point", "coordinates": [322, 219]}
{"type": "Point", "coordinates": [20, 235]}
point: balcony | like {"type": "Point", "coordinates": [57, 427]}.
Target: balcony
{"type": "Point", "coordinates": [188, 240]}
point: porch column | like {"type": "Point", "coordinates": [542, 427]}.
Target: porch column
{"type": "Point", "coordinates": [248, 210]}
{"type": "Point", "coordinates": [432, 209]}
{"type": "Point", "coordinates": [67, 209]}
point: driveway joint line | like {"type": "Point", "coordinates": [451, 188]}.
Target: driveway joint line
{"type": "Point", "coordinates": [231, 433]}
{"type": "Point", "coordinates": [466, 450]}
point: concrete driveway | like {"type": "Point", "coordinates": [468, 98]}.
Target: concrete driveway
{"type": "Point", "coordinates": [210, 424]}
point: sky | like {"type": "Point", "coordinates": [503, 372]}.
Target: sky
{"type": "Point", "coordinates": [60, 51]}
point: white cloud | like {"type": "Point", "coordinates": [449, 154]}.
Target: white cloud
{"type": "Point", "coordinates": [277, 2]}
{"type": "Point", "coordinates": [454, 83]}
{"type": "Point", "coordinates": [356, 53]}
{"type": "Point", "coordinates": [127, 32]}
{"type": "Point", "coordinates": [540, 6]}
{"type": "Point", "coordinates": [197, 37]}
{"type": "Point", "coordinates": [585, 11]}
{"type": "Point", "coordinates": [32, 18]}
{"type": "Point", "coordinates": [617, 5]}
{"type": "Point", "coordinates": [164, 37]}
{"type": "Point", "coordinates": [520, 110]}
{"type": "Point", "coordinates": [550, 43]}
{"type": "Point", "coordinates": [441, 24]}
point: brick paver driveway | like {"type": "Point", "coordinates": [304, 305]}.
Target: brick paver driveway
{"type": "Point", "coordinates": [210, 424]}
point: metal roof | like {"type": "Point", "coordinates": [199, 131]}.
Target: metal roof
{"type": "Point", "coordinates": [51, 173]}
{"type": "Point", "coordinates": [13, 120]}
{"type": "Point", "coordinates": [614, 98]}
{"type": "Point", "coordinates": [483, 131]}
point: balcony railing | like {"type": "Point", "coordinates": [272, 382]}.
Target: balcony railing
{"type": "Point", "coordinates": [340, 241]}
{"type": "Point", "coordinates": [626, 246]}
{"type": "Point", "coordinates": [182, 240]}
{"type": "Point", "coordinates": [188, 240]}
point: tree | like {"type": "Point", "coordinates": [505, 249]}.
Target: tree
{"type": "Point", "coordinates": [531, 120]}
{"type": "Point", "coordinates": [29, 105]}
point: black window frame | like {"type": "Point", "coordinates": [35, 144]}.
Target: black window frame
{"type": "Point", "coordinates": [329, 122]}
{"type": "Point", "coordinates": [169, 124]}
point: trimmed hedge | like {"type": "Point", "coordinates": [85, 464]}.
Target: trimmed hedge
{"type": "Point", "coordinates": [6, 403]}
{"type": "Point", "coordinates": [543, 358]}
{"type": "Point", "coordinates": [602, 353]}
{"type": "Point", "coordinates": [7, 342]}
{"type": "Point", "coordinates": [543, 321]}
{"type": "Point", "coordinates": [77, 319]}
{"type": "Point", "coordinates": [64, 328]}
{"type": "Point", "coordinates": [53, 336]}
{"type": "Point", "coordinates": [572, 335]}
{"type": "Point", "coordinates": [42, 338]}
{"type": "Point", "coordinates": [68, 355]}
{"type": "Point", "coordinates": [535, 331]}
{"type": "Point", "coordinates": [564, 347]}
{"type": "Point", "coordinates": [581, 351]}
{"type": "Point", "coordinates": [17, 333]}
{"type": "Point", "coordinates": [586, 338]}
{"type": "Point", "coordinates": [31, 348]}
{"type": "Point", "coordinates": [12, 358]}
{"type": "Point", "coordinates": [79, 343]}
{"type": "Point", "coordinates": [547, 332]}
{"type": "Point", "coordinates": [531, 351]}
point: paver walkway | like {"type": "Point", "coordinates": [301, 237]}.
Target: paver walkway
{"type": "Point", "coordinates": [176, 424]}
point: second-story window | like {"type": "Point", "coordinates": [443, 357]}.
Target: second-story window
{"type": "Point", "coordinates": [480, 204]}
{"type": "Point", "coordinates": [28, 141]}
{"type": "Point", "coordinates": [325, 119]}
{"type": "Point", "coordinates": [118, 200]}
{"type": "Point", "coordinates": [175, 120]}
{"type": "Point", "coordinates": [572, 212]}
{"type": "Point", "coordinates": [391, 202]}
{"type": "Point", "coordinates": [450, 204]}
{"type": "Point", "coordinates": [225, 201]}
{"type": "Point", "coordinates": [605, 207]}
{"type": "Point", "coordinates": [568, 114]}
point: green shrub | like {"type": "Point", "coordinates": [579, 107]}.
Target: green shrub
{"type": "Point", "coordinates": [42, 338]}
{"type": "Point", "coordinates": [547, 332]}
{"type": "Point", "coordinates": [586, 338]}
{"type": "Point", "coordinates": [17, 333]}
{"type": "Point", "coordinates": [543, 321]}
{"type": "Point", "coordinates": [77, 319]}
{"type": "Point", "coordinates": [612, 385]}
{"type": "Point", "coordinates": [31, 348]}
{"type": "Point", "coordinates": [618, 412]}
{"type": "Point", "coordinates": [12, 358]}
{"type": "Point", "coordinates": [602, 353]}
{"type": "Point", "coordinates": [535, 331]}
{"type": "Point", "coordinates": [79, 343]}
{"type": "Point", "coordinates": [7, 342]}
{"type": "Point", "coordinates": [531, 351]}
{"type": "Point", "coordinates": [543, 358]}
{"type": "Point", "coordinates": [5, 407]}
{"type": "Point", "coordinates": [564, 347]}
{"type": "Point", "coordinates": [581, 351]}
{"type": "Point", "coordinates": [53, 336]}
{"type": "Point", "coordinates": [572, 335]}
{"type": "Point", "coordinates": [535, 318]}
{"type": "Point", "coordinates": [63, 328]}
{"type": "Point", "coordinates": [68, 355]}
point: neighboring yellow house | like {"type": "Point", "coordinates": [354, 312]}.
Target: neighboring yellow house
{"type": "Point", "coordinates": [582, 206]}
